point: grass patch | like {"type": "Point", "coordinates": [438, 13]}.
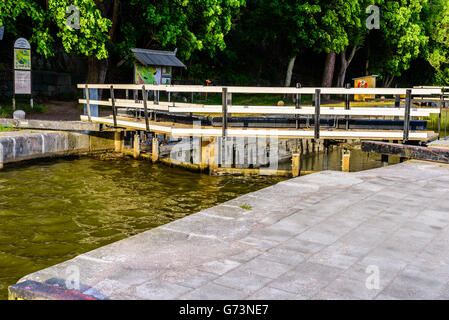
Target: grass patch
{"type": "Point", "coordinates": [246, 207]}
{"type": "Point", "coordinates": [3, 129]}
{"type": "Point", "coordinates": [432, 122]}
{"type": "Point", "coordinates": [238, 99]}
{"type": "Point", "coordinates": [268, 100]}
{"type": "Point", "coordinates": [6, 109]}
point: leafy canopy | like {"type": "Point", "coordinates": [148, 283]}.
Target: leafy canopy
{"type": "Point", "coordinates": [188, 24]}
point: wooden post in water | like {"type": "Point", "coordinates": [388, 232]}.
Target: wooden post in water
{"type": "Point", "coordinates": [296, 164]}
{"type": "Point", "coordinates": [345, 161]}
{"type": "Point", "coordinates": [325, 155]}
{"type": "Point", "coordinates": [204, 157]}
{"type": "Point", "coordinates": [384, 159]}
{"type": "Point", "coordinates": [155, 150]}
{"type": "Point", "coordinates": [1, 157]}
{"type": "Point", "coordinates": [136, 146]}
{"type": "Point", "coordinates": [212, 165]}
{"type": "Point", "coordinates": [118, 141]}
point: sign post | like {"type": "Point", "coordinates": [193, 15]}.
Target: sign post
{"type": "Point", "coordinates": [22, 70]}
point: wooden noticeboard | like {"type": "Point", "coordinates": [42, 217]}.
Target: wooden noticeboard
{"type": "Point", "coordinates": [22, 69]}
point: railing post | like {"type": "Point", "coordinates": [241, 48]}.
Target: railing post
{"type": "Point", "coordinates": [191, 101]}
{"type": "Point", "coordinates": [397, 101]}
{"type": "Point", "coordinates": [440, 104]}
{"type": "Point", "coordinates": [317, 113]}
{"type": "Point", "coordinates": [408, 102]}
{"type": "Point", "coordinates": [88, 104]}
{"type": "Point", "coordinates": [297, 105]}
{"type": "Point", "coordinates": [114, 110]}
{"type": "Point", "coordinates": [224, 111]}
{"type": "Point", "coordinates": [445, 119]}
{"type": "Point", "coordinates": [347, 105]}
{"type": "Point", "coordinates": [397, 104]}
{"type": "Point", "coordinates": [145, 107]}
{"type": "Point", "coordinates": [156, 101]}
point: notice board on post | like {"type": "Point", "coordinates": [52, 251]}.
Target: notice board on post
{"type": "Point", "coordinates": [22, 67]}
{"type": "Point", "coordinates": [22, 82]}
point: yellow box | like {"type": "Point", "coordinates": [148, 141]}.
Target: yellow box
{"type": "Point", "coordinates": [364, 82]}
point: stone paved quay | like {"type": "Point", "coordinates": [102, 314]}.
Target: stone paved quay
{"type": "Point", "coordinates": [311, 237]}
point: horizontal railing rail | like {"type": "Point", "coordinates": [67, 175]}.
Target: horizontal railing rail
{"type": "Point", "coordinates": [267, 90]}
{"type": "Point", "coordinates": [226, 109]}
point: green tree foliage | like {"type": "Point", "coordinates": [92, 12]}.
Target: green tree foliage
{"type": "Point", "coordinates": [436, 18]}
{"type": "Point", "coordinates": [33, 20]}
{"type": "Point", "coordinates": [268, 35]}
{"type": "Point", "coordinates": [400, 39]}
{"type": "Point", "coordinates": [340, 24]}
{"type": "Point", "coordinates": [49, 23]}
{"type": "Point", "coordinates": [92, 36]}
{"type": "Point", "coordinates": [188, 24]}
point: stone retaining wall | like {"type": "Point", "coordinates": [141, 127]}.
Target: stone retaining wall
{"type": "Point", "coordinates": [23, 145]}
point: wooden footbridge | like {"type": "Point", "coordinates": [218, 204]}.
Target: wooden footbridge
{"type": "Point", "coordinates": [133, 110]}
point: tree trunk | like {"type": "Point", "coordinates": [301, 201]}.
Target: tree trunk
{"type": "Point", "coordinates": [344, 64]}
{"type": "Point", "coordinates": [328, 73]}
{"type": "Point", "coordinates": [114, 19]}
{"type": "Point", "coordinates": [387, 81]}
{"type": "Point", "coordinates": [288, 76]}
{"type": "Point", "coordinates": [329, 67]}
{"type": "Point", "coordinates": [343, 68]}
{"type": "Point", "coordinates": [367, 60]}
{"type": "Point", "coordinates": [96, 70]}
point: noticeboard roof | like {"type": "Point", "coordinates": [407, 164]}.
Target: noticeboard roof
{"type": "Point", "coordinates": [157, 57]}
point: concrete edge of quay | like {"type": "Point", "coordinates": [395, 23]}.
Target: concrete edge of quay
{"type": "Point", "coordinates": [309, 237]}
{"type": "Point", "coordinates": [31, 144]}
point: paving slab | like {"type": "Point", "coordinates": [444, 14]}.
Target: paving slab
{"type": "Point", "coordinates": [375, 234]}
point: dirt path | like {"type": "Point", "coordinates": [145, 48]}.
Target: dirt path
{"type": "Point", "coordinates": [63, 110]}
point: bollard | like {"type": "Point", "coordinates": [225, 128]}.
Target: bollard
{"type": "Point", "coordinates": [136, 149]}
{"type": "Point", "coordinates": [345, 160]}
{"type": "Point", "coordinates": [325, 156]}
{"type": "Point", "coordinates": [384, 159]}
{"type": "Point", "coordinates": [118, 141]}
{"type": "Point", "coordinates": [296, 164]}
{"type": "Point", "coordinates": [212, 165]}
{"type": "Point", "coordinates": [155, 150]}
{"type": "Point", "coordinates": [1, 156]}
{"type": "Point", "coordinates": [204, 154]}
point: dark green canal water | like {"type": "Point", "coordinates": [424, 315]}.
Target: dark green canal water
{"type": "Point", "coordinates": [51, 211]}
